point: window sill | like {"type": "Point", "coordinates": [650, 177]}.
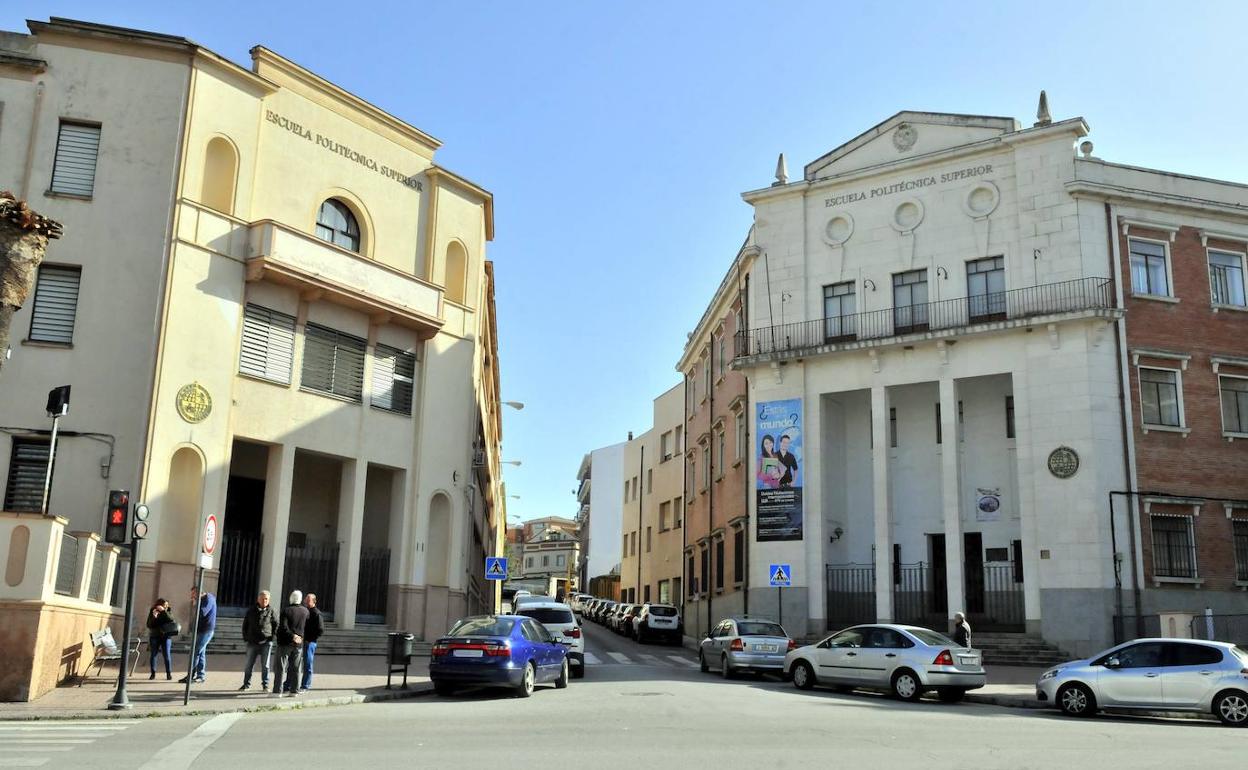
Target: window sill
{"type": "Point", "coordinates": [267, 381]}
{"type": "Point", "coordinates": [334, 396]}
{"type": "Point", "coordinates": [1235, 308]}
{"type": "Point", "coordinates": [1231, 436]}
{"type": "Point", "coordinates": [1145, 427]}
{"type": "Point", "coordinates": [46, 344]}
{"type": "Point", "coordinates": [703, 490]}
{"type": "Point", "coordinates": [1198, 582]}
{"type": "Point", "coordinates": [396, 412]}
{"type": "Point", "coordinates": [736, 463]}
{"type": "Point", "coordinates": [719, 478]}
{"type": "Point", "coordinates": [1156, 298]}
{"type": "Point", "coordinates": [68, 195]}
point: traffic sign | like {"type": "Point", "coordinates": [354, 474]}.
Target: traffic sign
{"type": "Point", "coordinates": [496, 568]}
{"type": "Point", "coordinates": [781, 575]}
{"type": "Point", "coordinates": [210, 534]}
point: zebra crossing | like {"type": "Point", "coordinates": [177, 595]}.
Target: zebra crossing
{"type": "Point", "coordinates": [642, 658]}
{"type": "Point", "coordinates": [34, 744]}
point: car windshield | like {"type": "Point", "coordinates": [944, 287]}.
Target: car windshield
{"type": "Point", "coordinates": [483, 627]}
{"type": "Point", "coordinates": [663, 612]}
{"type": "Point", "coordinates": [749, 628]}
{"type": "Point", "coordinates": [548, 614]}
{"type": "Point", "coordinates": [931, 637]}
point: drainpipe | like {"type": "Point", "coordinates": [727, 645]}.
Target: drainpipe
{"type": "Point", "coordinates": [641, 498]}
{"type": "Point", "coordinates": [710, 478]}
{"type": "Point", "coordinates": [744, 330]}
{"type": "Point", "coordinates": [684, 501]}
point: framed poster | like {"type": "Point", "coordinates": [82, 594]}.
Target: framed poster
{"type": "Point", "coordinates": [779, 472]}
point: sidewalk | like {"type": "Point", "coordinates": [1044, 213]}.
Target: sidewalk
{"type": "Point", "coordinates": [339, 680]}
{"type": "Point", "coordinates": [1012, 686]}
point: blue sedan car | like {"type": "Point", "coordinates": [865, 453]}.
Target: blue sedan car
{"type": "Point", "coordinates": [498, 650]}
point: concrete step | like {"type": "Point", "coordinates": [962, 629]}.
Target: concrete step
{"type": "Point", "coordinates": [361, 640]}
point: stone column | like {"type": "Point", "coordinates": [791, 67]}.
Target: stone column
{"type": "Point", "coordinates": [278, 479]}
{"type": "Point", "coordinates": [951, 495]}
{"type": "Point", "coordinates": [350, 531]}
{"type": "Point", "coordinates": [883, 535]}
{"type": "Point", "coordinates": [1030, 463]}
{"type": "Point", "coordinates": [87, 543]}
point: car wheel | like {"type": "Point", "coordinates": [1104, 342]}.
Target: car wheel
{"type": "Point", "coordinates": [1231, 708]}
{"type": "Point", "coordinates": [562, 682]}
{"type": "Point", "coordinates": [527, 681]}
{"type": "Point", "coordinates": [951, 696]}
{"type": "Point", "coordinates": [803, 676]}
{"type": "Point", "coordinates": [579, 672]}
{"type": "Point", "coordinates": [906, 686]}
{"type": "Point", "coordinates": [725, 670]}
{"type": "Point", "coordinates": [702, 663]}
{"type": "Point", "coordinates": [1075, 700]}
{"type": "Point", "coordinates": [443, 688]}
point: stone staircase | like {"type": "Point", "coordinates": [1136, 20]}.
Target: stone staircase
{"type": "Point", "coordinates": [1002, 649]}
{"type": "Point", "coordinates": [364, 639]}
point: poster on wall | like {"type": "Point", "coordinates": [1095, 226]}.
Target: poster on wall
{"type": "Point", "coordinates": [780, 470]}
{"type": "Point", "coordinates": [987, 505]}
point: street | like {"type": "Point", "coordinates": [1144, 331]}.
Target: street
{"type": "Point", "coordinates": [638, 706]}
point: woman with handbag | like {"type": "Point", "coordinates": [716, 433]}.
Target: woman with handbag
{"type": "Point", "coordinates": [161, 628]}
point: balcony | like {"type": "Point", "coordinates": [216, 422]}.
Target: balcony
{"type": "Point", "coordinates": [1085, 297]}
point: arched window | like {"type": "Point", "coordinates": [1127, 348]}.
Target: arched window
{"type": "Point", "coordinates": [456, 272]}
{"type": "Point", "coordinates": [335, 223]}
{"type": "Point", "coordinates": [220, 168]}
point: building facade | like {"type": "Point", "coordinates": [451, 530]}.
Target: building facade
{"type": "Point", "coordinates": [717, 488]}
{"type": "Point", "coordinates": [601, 511]}
{"type": "Point", "coordinates": [274, 306]}
{"type": "Point", "coordinates": [653, 507]}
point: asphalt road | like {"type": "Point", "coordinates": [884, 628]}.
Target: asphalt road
{"type": "Point", "coordinates": [638, 707]}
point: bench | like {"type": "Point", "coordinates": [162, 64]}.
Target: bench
{"type": "Point", "coordinates": [106, 651]}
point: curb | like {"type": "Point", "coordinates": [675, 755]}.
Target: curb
{"type": "Point", "coordinates": [1008, 701]}
{"type": "Point", "coordinates": [1023, 702]}
{"type": "Point", "coordinates": [415, 691]}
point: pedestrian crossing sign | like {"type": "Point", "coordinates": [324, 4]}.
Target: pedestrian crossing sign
{"type": "Point", "coordinates": [496, 568]}
{"type": "Point", "coordinates": [781, 575]}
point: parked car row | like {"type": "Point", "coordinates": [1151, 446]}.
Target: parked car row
{"type": "Point", "coordinates": [647, 622]}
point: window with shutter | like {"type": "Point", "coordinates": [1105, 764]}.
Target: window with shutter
{"type": "Point", "coordinates": [77, 146]}
{"type": "Point", "coordinates": [268, 346]}
{"type": "Point", "coordinates": [333, 363]}
{"type": "Point", "coordinates": [56, 304]}
{"type": "Point", "coordinates": [28, 466]}
{"type": "Point", "coordinates": [394, 371]}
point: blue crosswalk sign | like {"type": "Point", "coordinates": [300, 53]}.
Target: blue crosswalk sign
{"type": "Point", "coordinates": [781, 575]}
{"type": "Point", "coordinates": [496, 568]}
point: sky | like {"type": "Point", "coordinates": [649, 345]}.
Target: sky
{"type": "Point", "coordinates": [618, 137]}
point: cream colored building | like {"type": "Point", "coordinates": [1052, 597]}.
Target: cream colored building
{"type": "Point", "coordinates": [653, 497]}
{"type": "Point", "coordinates": [273, 306]}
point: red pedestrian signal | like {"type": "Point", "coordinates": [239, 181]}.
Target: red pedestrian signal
{"type": "Point", "coordinates": [115, 529]}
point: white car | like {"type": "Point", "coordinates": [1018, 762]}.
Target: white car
{"type": "Point", "coordinates": [559, 620]}
{"type": "Point", "coordinates": [906, 661]}
{"type": "Point", "coordinates": [657, 621]}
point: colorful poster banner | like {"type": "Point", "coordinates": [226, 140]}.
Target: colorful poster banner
{"type": "Point", "coordinates": [779, 470]}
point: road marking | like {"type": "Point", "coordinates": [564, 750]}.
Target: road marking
{"type": "Point", "coordinates": [70, 728]}
{"type": "Point", "coordinates": [42, 741]}
{"type": "Point", "coordinates": [651, 659]}
{"type": "Point", "coordinates": [592, 659]}
{"type": "Point", "coordinates": [24, 761]}
{"type": "Point", "coordinates": [183, 752]}
{"type": "Point", "coordinates": [620, 657]}
{"type": "Point", "coordinates": [37, 748]}
{"type": "Point", "coordinates": [683, 661]}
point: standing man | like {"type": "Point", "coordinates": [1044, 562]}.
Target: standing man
{"type": "Point", "coordinates": [204, 615]}
{"type": "Point", "coordinates": [788, 461]}
{"type": "Point", "coordinates": [312, 631]}
{"type": "Point", "coordinates": [259, 627]}
{"type": "Point", "coordinates": [290, 630]}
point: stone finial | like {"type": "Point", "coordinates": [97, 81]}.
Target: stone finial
{"type": "Point", "coordinates": [782, 172]}
{"type": "Point", "coordinates": [1043, 118]}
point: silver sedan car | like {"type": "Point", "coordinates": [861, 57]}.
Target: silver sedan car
{"type": "Point", "coordinates": [904, 660]}
{"type": "Point", "coordinates": [745, 644]}
{"type": "Point", "coordinates": [1154, 675]}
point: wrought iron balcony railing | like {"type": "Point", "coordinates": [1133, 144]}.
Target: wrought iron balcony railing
{"type": "Point", "coordinates": [944, 315]}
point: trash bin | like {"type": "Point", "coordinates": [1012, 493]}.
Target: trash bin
{"type": "Point", "coordinates": [400, 648]}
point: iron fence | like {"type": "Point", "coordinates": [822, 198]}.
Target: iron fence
{"type": "Point", "coordinates": [312, 567]}
{"type": "Point", "coordinates": [994, 596]}
{"type": "Point", "coordinates": [913, 595]}
{"type": "Point", "coordinates": [1032, 301]}
{"type": "Point", "coordinates": [239, 583]}
{"type": "Point", "coordinates": [67, 568]}
{"type": "Point", "coordinates": [96, 592]}
{"type": "Point", "coordinates": [850, 594]}
{"type": "Point", "coordinates": [1221, 628]}
{"type": "Point", "coordinates": [374, 583]}
{"type": "Point", "coordinates": [1001, 601]}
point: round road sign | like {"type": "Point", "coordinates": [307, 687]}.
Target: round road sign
{"type": "Point", "coordinates": [210, 534]}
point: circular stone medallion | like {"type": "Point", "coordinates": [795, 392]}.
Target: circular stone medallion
{"type": "Point", "coordinates": [1063, 462]}
{"type": "Point", "coordinates": [194, 403]}
{"type": "Point", "coordinates": [904, 137]}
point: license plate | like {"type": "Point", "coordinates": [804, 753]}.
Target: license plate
{"type": "Point", "coordinates": [469, 654]}
{"type": "Point", "coordinates": [969, 660]}
{"type": "Point", "coordinates": [766, 647]}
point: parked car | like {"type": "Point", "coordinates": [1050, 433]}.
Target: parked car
{"type": "Point", "coordinates": [501, 650]}
{"type": "Point", "coordinates": [1154, 675]}
{"type": "Point", "coordinates": [657, 621]}
{"type": "Point", "coordinates": [626, 619]}
{"type": "Point", "coordinates": [604, 611]}
{"type": "Point", "coordinates": [562, 624]}
{"type": "Point", "coordinates": [906, 661]}
{"type": "Point", "coordinates": [745, 644]}
{"type": "Point", "coordinates": [617, 614]}
{"type": "Point", "coordinates": [528, 598]}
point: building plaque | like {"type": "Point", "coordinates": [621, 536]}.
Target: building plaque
{"type": "Point", "coordinates": [194, 403]}
{"type": "Point", "coordinates": [1063, 462]}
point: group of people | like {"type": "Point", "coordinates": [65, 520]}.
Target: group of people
{"type": "Point", "coordinates": [777, 468]}
{"type": "Point", "coordinates": [294, 632]}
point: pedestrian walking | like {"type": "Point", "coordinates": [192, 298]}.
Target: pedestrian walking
{"type": "Point", "coordinates": [312, 631]}
{"type": "Point", "coordinates": [204, 615]}
{"type": "Point", "coordinates": [961, 630]}
{"type": "Point", "coordinates": [161, 628]}
{"type": "Point", "coordinates": [290, 630]}
{"type": "Point", "coordinates": [259, 628]}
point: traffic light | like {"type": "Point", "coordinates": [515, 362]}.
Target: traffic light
{"type": "Point", "coordinates": [115, 523]}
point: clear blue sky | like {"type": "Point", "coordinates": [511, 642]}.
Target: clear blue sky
{"type": "Point", "coordinates": [617, 138]}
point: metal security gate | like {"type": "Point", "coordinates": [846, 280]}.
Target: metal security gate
{"type": "Point", "coordinates": [370, 603]}
{"type": "Point", "coordinates": [240, 570]}
{"type": "Point", "coordinates": [312, 568]}
{"type": "Point", "coordinates": [850, 593]}
{"type": "Point", "coordinates": [995, 598]}
{"type": "Point", "coordinates": [914, 600]}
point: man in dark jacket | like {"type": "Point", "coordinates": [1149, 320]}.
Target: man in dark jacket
{"type": "Point", "coordinates": [290, 630]}
{"type": "Point", "coordinates": [259, 627]}
{"type": "Point", "coordinates": [312, 631]}
{"type": "Point", "coordinates": [204, 615]}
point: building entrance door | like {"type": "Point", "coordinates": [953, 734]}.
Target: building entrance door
{"type": "Point", "coordinates": [973, 571]}
{"type": "Point", "coordinates": [240, 545]}
{"type": "Point", "coordinates": [940, 578]}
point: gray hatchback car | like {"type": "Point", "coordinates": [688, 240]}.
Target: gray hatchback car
{"type": "Point", "coordinates": [745, 644]}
